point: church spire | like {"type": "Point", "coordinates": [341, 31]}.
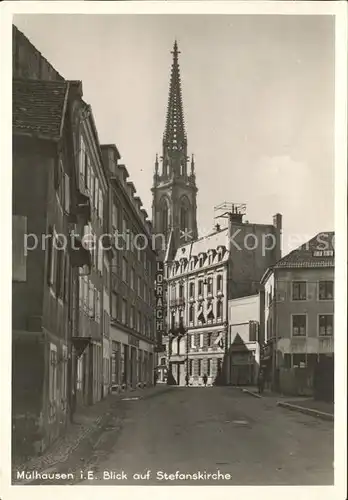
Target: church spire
{"type": "Point", "coordinates": [174, 138]}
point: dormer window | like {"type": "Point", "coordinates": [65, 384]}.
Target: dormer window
{"type": "Point", "coordinates": [201, 260]}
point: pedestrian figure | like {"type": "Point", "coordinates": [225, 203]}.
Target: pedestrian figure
{"type": "Point", "coordinates": [205, 379]}
{"type": "Point", "coordinates": [261, 382]}
{"type": "Point", "coordinates": [187, 380]}
{"type": "Point", "coordinates": [155, 377]}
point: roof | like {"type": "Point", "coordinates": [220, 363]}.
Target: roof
{"type": "Point", "coordinates": [38, 107]}
{"type": "Point", "coordinates": [316, 253]}
{"type": "Point", "coordinates": [202, 245]}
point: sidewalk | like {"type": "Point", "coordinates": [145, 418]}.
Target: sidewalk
{"type": "Point", "coordinates": [88, 421]}
{"type": "Point", "coordinates": [304, 404]}
{"type": "Point", "coordinates": [310, 406]}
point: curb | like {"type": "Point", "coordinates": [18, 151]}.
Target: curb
{"type": "Point", "coordinates": [307, 411]}
{"type": "Point", "coordinates": [255, 394]}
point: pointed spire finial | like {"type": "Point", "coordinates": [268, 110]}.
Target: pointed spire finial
{"type": "Point", "coordinates": [174, 138]}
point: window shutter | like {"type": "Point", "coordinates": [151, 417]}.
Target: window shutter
{"type": "Point", "coordinates": [96, 191]}
{"type": "Point", "coordinates": [81, 291]}
{"type": "Point", "coordinates": [19, 260]}
{"type": "Point", "coordinates": [100, 208]}
{"type": "Point", "coordinates": [67, 193]}
{"type": "Point", "coordinates": [89, 175]}
{"type": "Point", "coordinates": [53, 270]}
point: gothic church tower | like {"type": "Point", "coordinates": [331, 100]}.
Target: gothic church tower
{"type": "Point", "coordinates": [174, 208]}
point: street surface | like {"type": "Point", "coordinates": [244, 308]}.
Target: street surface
{"type": "Point", "coordinates": [202, 431]}
{"type": "Point", "coordinates": [209, 429]}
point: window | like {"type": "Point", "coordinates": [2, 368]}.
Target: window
{"type": "Point", "coordinates": [60, 269]}
{"type": "Point", "coordinates": [200, 287]}
{"type": "Point", "coordinates": [191, 367]}
{"type": "Point", "coordinates": [220, 255]}
{"type": "Point", "coordinates": [88, 175]}
{"type": "Point", "coordinates": [191, 313]}
{"type": "Point", "coordinates": [82, 162]}
{"type": "Point", "coordinates": [91, 299]}
{"type": "Point", "coordinates": [326, 290]}
{"type": "Point", "coordinates": [94, 181]}
{"type": "Point", "coordinates": [178, 342]}
{"type": "Point", "coordinates": [132, 314]}
{"type": "Point", "coordinates": [299, 323]}
{"type": "Point", "coordinates": [100, 205]}
{"type": "Point", "coordinates": [192, 289]}
{"type": "Point", "coordinates": [124, 311]}
{"type": "Point", "coordinates": [219, 309]}
{"type": "Point", "coordinates": [64, 367]}
{"type": "Point", "coordinates": [192, 341]}
{"type": "Point", "coordinates": [19, 259]}
{"type": "Point", "coordinates": [114, 217]}
{"type": "Point", "coordinates": [181, 291]}
{"type": "Point", "coordinates": [53, 381]}
{"type": "Point", "coordinates": [209, 337]}
{"type": "Point", "coordinates": [139, 321]}
{"type": "Point", "coordinates": [96, 194]}
{"type": "Point", "coordinates": [210, 285]}
{"type": "Point", "coordinates": [201, 261]}
{"type": "Point", "coordinates": [163, 361]}
{"type": "Point", "coordinates": [132, 278]}
{"type": "Point", "coordinates": [134, 318]}
{"type": "Point", "coordinates": [326, 325]}
{"type": "Point", "coordinates": [208, 367]}
{"type": "Point", "coordinates": [199, 367]}
{"type": "Point", "coordinates": [114, 306]}
{"type": "Point", "coordinates": [201, 340]}
{"type": "Point", "coordinates": [299, 290]}
{"type": "Point", "coordinates": [219, 283]}
{"type": "Point", "coordinates": [100, 258]}
{"type": "Point", "coordinates": [124, 269]}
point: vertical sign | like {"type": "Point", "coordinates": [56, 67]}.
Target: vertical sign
{"type": "Point", "coordinates": [159, 312]}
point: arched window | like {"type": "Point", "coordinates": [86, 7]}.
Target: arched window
{"type": "Point", "coordinates": [184, 214]}
{"type": "Point", "coordinates": [219, 309]}
{"type": "Point", "coordinates": [219, 283]}
{"type": "Point", "coordinates": [183, 218]}
{"type": "Point", "coordinates": [164, 216]}
{"type": "Point", "coordinates": [191, 313]}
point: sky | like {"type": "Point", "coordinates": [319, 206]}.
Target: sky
{"type": "Point", "coordinates": [258, 96]}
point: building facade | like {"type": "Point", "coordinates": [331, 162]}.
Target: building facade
{"type": "Point", "coordinates": [197, 309]}
{"type": "Point", "coordinates": [92, 184]}
{"type": "Point", "coordinates": [45, 263]}
{"type": "Point", "coordinates": [132, 280]}
{"type": "Point", "coordinates": [243, 356]}
{"type": "Point", "coordinates": [299, 316]}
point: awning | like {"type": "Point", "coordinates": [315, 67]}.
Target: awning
{"type": "Point", "coordinates": [80, 344]}
{"type": "Point", "coordinates": [210, 313]}
{"type": "Point", "coordinates": [200, 315]}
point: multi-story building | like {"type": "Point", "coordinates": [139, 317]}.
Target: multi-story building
{"type": "Point", "coordinates": [243, 357]}
{"type": "Point", "coordinates": [298, 304]}
{"type": "Point", "coordinates": [201, 279]}
{"type": "Point", "coordinates": [45, 262]}
{"type": "Point", "coordinates": [93, 186]}
{"type": "Point", "coordinates": [132, 272]}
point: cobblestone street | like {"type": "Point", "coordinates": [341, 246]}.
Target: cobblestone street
{"type": "Point", "coordinates": [203, 430]}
